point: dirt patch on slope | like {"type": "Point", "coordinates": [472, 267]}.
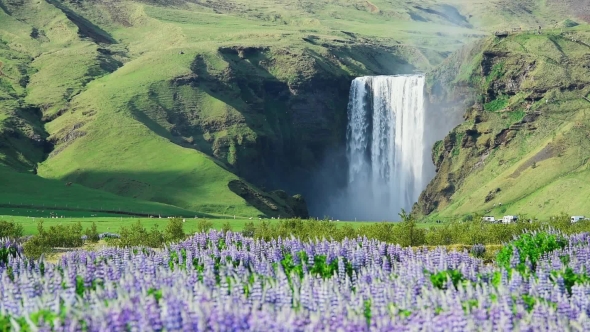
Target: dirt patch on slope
{"type": "Point", "coordinates": [372, 8]}
{"type": "Point", "coordinates": [548, 152]}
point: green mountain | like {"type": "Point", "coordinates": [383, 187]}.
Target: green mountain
{"type": "Point", "coordinates": [524, 147]}
{"type": "Point", "coordinates": [203, 105]}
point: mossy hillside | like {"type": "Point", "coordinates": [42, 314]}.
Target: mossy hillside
{"type": "Point", "coordinates": [526, 133]}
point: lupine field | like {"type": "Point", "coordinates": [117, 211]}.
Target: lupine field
{"type": "Point", "coordinates": [219, 281]}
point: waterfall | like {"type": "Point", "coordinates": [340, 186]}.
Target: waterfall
{"type": "Point", "coordinates": [389, 160]}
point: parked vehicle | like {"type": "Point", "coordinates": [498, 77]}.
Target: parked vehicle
{"type": "Point", "coordinates": [489, 219]}
{"type": "Point", "coordinates": [577, 218]}
{"type": "Point", "coordinates": [509, 219]}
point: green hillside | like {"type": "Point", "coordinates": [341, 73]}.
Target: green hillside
{"type": "Point", "coordinates": [203, 105]}
{"type": "Point", "coordinates": [26, 192]}
{"type": "Point", "coordinates": [525, 145]}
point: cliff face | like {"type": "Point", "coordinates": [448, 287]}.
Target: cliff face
{"type": "Point", "coordinates": [522, 147]}
{"type": "Point", "coordinates": [281, 110]}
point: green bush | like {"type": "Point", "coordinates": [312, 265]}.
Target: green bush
{"type": "Point", "coordinates": [155, 238]}
{"type": "Point", "coordinates": [56, 236]}
{"type": "Point", "coordinates": [137, 235]}
{"type": "Point", "coordinates": [35, 247]}
{"type": "Point", "coordinates": [174, 231]}
{"type": "Point", "coordinates": [226, 227]}
{"type": "Point", "coordinates": [62, 235]}
{"type": "Point", "coordinates": [249, 229]}
{"type": "Point", "coordinates": [530, 248]}
{"type": "Point", "coordinates": [92, 233]}
{"type": "Point", "coordinates": [409, 232]}
{"type": "Point", "coordinates": [204, 225]}
{"type": "Point", "coordinates": [10, 229]}
{"type": "Point", "coordinates": [134, 235]}
{"type": "Point", "coordinates": [439, 280]}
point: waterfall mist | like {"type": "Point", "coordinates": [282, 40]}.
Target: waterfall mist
{"type": "Point", "coordinates": [388, 149]}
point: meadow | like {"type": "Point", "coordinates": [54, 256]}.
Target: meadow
{"type": "Point", "coordinates": [225, 281]}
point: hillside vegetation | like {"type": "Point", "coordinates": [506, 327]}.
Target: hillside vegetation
{"type": "Point", "coordinates": [204, 104]}
{"type": "Point", "coordinates": [525, 144]}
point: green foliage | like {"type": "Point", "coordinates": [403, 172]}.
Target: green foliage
{"type": "Point", "coordinates": [497, 278]}
{"type": "Point", "coordinates": [35, 247]}
{"type": "Point", "coordinates": [10, 229]}
{"type": "Point", "coordinates": [497, 104]}
{"type": "Point", "coordinates": [322, 268]}
{"type": "Point", "coordinates": [137, 235]}
{"type": "Point", "coordinates": [516, 116]}
{"type": "Point", "coordinates": [530, 248]}
{"type": "Point", "coordinates": [80, 286]}
{"type": "Point", "coordinates": [249, 229]}
{"type": "Point", "coordinates": [496, 73]}
{"type": "Point", "coordinates": [92, 233]}
{"type": "Point", "coordinates": [469, 304]}
{"type": "Point", "coordinates": [467, 218]}
{"type": "Point", "coordinates": [6, 253]}
{"type": "Point", "coordinates": [56, 236]}
{"type": "Point", "coordinates": [157, 293]}
{"type": "Point", "coordinates": [174, 230]}
{"type": "Point", "coordinates": [457, 146]}
{"type": "Point", "coordinates": [437, 149]}
{"type": "Point", "coordinates": [570, 278]}
{"type": "Point", "coordinates": [155, 238]}
{"type": "Point", "coordinates": [412, 233]}
{"type": "Point", "coordinates": [226, 227]}
{"type": "Point", "coordinates": [439, 280]}
{"type": "Point", "coordinates": [367, 312]}
{"type": "Point", "coordinates": [44, 315]}
{"type": "Point", "coordinates": [134, 235]}
{"type": "Point", "coordinates": [204, 225]}
{"type": "Point", "coordinates": [289, 265]}
{"type": "Point", "coordinates": [529, 302]}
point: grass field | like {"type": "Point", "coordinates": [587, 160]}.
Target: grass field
{"type": "Point", "coordinates": [112, 224]}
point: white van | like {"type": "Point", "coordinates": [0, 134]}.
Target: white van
{"type": "Point", "coordinates": [577, 218]}
{"type": "Point", "coordinates": [489, 219]}
{"type": "Point", "coordinates": [509, 219]}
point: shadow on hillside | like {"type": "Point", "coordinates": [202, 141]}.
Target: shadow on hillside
{"type": "Point", "coordinates": [23, 190]}
{"type": "Point", "coordinates": [5, 9]}
{"type": "Point", "coordinates": [85, 27]}
{"type": "Point", "coordinates": [175, 189]}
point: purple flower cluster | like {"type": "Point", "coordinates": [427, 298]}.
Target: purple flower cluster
{"type": "Point", "coordinates": [226, 282]}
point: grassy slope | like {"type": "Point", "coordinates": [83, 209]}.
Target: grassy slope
{"type": "Point", "coordinates": [38, 194]}
{"type": "Point", "coordinates": [542, 167]}
{"type": "Point", "coordinates": [90, 96]}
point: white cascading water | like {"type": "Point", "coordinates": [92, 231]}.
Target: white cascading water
{"type": "Point", "coordinates": [386, 146]}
